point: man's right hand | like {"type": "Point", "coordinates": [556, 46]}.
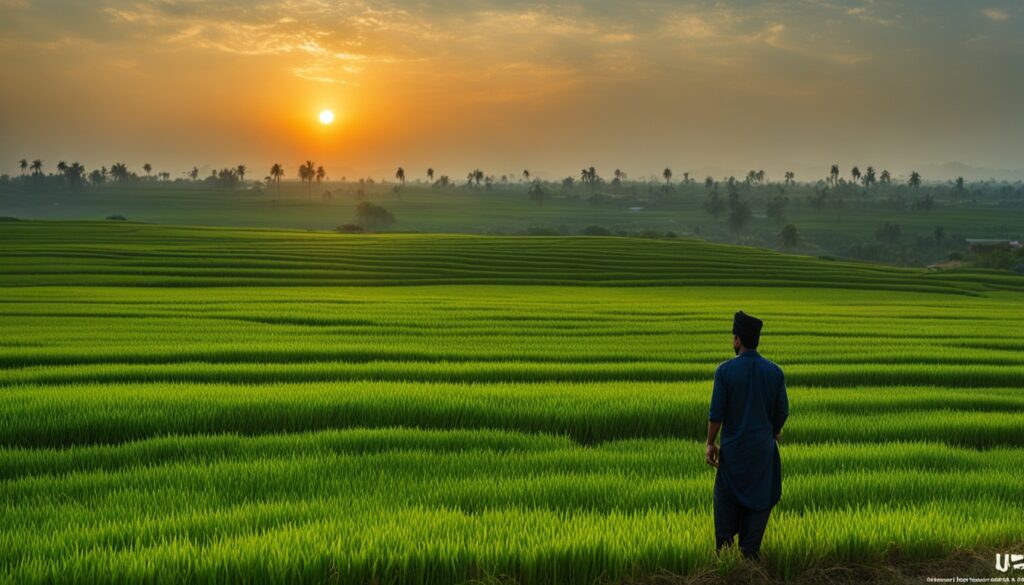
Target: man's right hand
{"type": "Point", "coordinates": [711, 457]}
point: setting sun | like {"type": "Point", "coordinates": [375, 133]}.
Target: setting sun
{"type": "Point", "coordinates": [326, 117]}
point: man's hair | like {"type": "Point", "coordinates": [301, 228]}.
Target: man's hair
{"type": "Point", "coordinates": [749, 340]}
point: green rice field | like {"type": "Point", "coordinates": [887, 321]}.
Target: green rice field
{"type": "Point", "coordinates": [207, 405]}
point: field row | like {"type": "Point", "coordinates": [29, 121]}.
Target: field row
{"type": "Point", "coordinates": [41, 253]}
{"type": "Point", "coordinates": [83, 414]}
{"type": "Point", "coordinates": [403, 506]}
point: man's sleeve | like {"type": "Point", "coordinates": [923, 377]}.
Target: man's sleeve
{"type": "Point", "coordinates": [717, 412]}
{"type": "Point", "coordinates": [781, 406]}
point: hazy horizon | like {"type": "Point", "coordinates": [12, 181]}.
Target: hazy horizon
{"type": "Point", "coordinates": [504, 86]}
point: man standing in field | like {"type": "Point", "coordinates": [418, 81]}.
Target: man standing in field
{"type": "Point", "coordinates": [749, 404]}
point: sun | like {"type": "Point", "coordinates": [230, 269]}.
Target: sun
{"type": "Point", "coordinates": [326, 117]}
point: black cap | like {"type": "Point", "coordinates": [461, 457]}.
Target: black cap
{"type": "Point", "coordinates": [745, 325]}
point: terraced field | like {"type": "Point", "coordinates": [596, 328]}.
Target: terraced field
{"type": "Point", "coordinates": [205, 405]}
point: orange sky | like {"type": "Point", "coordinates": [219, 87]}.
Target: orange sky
{"type": "Point", "coordinates": [503, 86]}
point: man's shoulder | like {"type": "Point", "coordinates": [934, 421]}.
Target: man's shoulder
{"type": "Point", "coordinates": [771, 365]}
{"type": "Point", "coordinates": [724, 366]}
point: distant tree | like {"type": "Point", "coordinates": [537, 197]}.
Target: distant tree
{"type": "Point", "coordinates": [667, 173]}
{"type": "Point", "coordinates": [855, 174]}
{"type": "Point", "coordinates": [915, 179]}
{"type": "Point", "coordinates": [714, 204]}
{"type": "Point", "coordinates": [686, 178]}
{"type": "Point", "coordinates": [759, 176]}
{"type": "Point", "coordinates": [889, 233]}
{"type": "Point", "coordinates": [321, 174]}
{"type": "Point", "coordinates": [958, 188]}
{"type": "Point", "coordinates": [372, 216]}
{"type": "Point", "coordinates": [149, 169]}
{"type": "Point", "coordinates": [400, 175]}
{"type": "Point", "coordinates": [23, 165]}
{"type": "Point", "coordinates": [62, 168]}
{"type": "Point", "coordinates": [120, 172]}
{"type": "Point", "coordinates": [834, 174]}
{"type": "Point", "coordinates": [444, 181]}
{"type": "Point", "coordinates": [869, 177]}
{"type": "Point", "coordinates": [939, 234]}
{"type": "Point", "coordinates": [194, 173]}
{"type": "Point", "coordinates": [789, 237]}
{"type": "Point", "coordinates": [96, 177]}
{"type": "Point", "coordinates": [526, 175]}
{"type": "Point", "coordinates": [777, 208]}
{"type": "Point", "coordinates": [789, 177]}
{"type": "Point", "coordinates": [75, 174]}
{"type": "Point", "coordinates": [568, 183]}
{"type": "Point", "coordinates": [240, 170]}
{"type": "Point", "coordinates": [537, 193]}
{"type": "Point", "coordinates": [589, 176]}
{"type": "Point", "coordinates": [37, 168]}
{"type": "Point", "coordinates": [477, 176]}
{"type": "Point", "coordinates": [925, 203]}
{"type": "Point", "coordinates": [751, 177]}
{"type": "Point", "coordinates": [430, 175]}
{"type": "Point", "coordinates": [618, 175]}
{"type": "Point", "coordinates": [885, 177]}
{"type": "Point", "coordinates": [307, 172]}
{"type": "Point", "coordinates": [276, 172]}
{"type": "Point", "coordinates": [739, 213]}
{"type": "Point", "coordinates": [709, 182]}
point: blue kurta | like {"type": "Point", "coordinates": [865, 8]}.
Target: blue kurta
{"type": "Point", "coordinates": [749, 399]}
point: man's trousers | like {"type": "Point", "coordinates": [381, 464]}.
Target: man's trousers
{"type": "Point", "coordinates": [731, 519]}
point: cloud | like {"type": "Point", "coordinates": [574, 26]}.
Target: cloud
{"type": "Point", "coordinates": [996, 14]}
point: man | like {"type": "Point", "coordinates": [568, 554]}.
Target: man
{"type": "Point", "coordinates": [749, 404]}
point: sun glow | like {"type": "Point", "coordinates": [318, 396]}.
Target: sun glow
{"type": "Point", "coordinates": [326, 117]}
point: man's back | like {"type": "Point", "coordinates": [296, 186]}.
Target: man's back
{"type": "Point", "coordinates": [749, 399]}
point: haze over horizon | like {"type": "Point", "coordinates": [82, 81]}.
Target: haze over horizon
{"type": "Point", "coordinates": [503, 86]}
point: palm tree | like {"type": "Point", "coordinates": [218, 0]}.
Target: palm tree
{"type": "Point", "coordinates": [37, 168]}
{"type": "Point", "coordinates": [869, 176]}
{"type": "Point", "coordinates": [240, 171]}
{"type": "Point", "coordinates": [885, 177]}
{"type": "Point", "coordinates": [23, 165]}
{"type": "Point", "coordinates": [276, 172]}
{"type": "Point", "coordinates": [120, 172]}
{"type": "Point", "coordinates": [430, 175]}
{"type": "Point", "coordinates": [915, 179]}
{"type": "Point", "coordinates": [760, 176]}
{"type": "Point", "coordinates": [855, 174]}
{"type": "Point", "coordinates": [75, 173]}
{"type": "Point", "coordinates": [667, 173]}
{"type": "Point", "coordinates": [834, 174]}
{"type": "Point", "coordinates": [709, 182]}
{"type": "Point", "coordinates": [320, 175]}
{"type": "Point", "coordinates": [400, 175]}
{"type": "Point", "coordinates": [526, 175]}
{"type": "Point", "coordinates": [478, 176]}
{"type": "Point", "coordinates": [789, 177]}
{"type": "Point", "coordinates": [62, 168]}
{"type": "Point", "coordinates": [306, 173]}
{"type": "Point", "coordinates": [148, 168]}
{"type": "Point", "coordinates": [194, 173]}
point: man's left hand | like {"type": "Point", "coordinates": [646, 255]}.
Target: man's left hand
{"type": "Point", "coordinates": [712, 455]}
